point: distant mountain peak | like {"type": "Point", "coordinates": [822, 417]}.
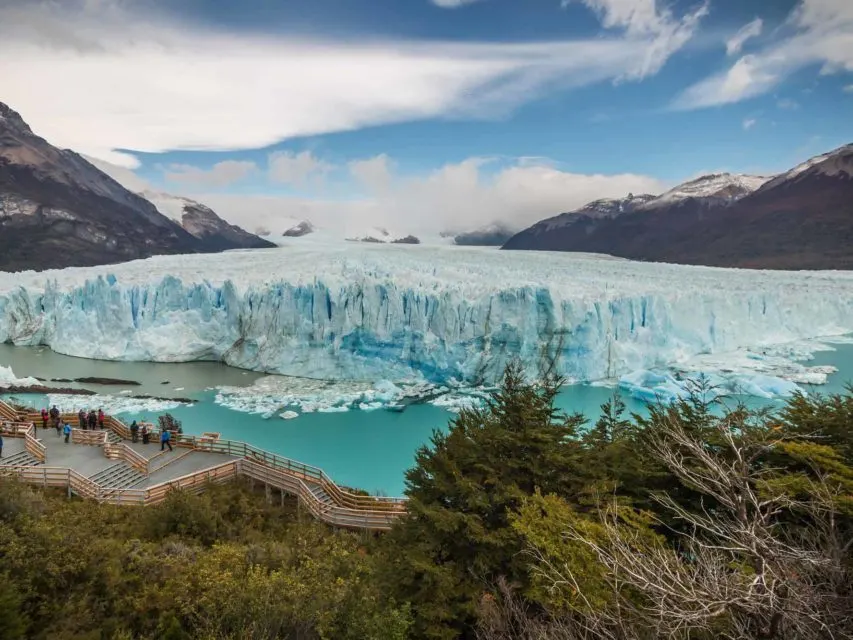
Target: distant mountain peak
{"type": "Point", "coordinates": [12, 118]}
{"type": "Point", "coordinates": [298, 230]}
{"type": "Point", "coordinates": [722, 186]}
{"type": "Point", "coordinates": [837, 161]}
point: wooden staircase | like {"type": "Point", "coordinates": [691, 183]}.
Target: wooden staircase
{"type": "Point", "coordinates": [118, 476]}
{"type": "Point", "coordinates": [20, 459]}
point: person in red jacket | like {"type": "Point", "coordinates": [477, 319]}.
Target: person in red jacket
{"type": "Point", "coordinates": [44, 418]}
{"type": "Point", "coordinates": [100, 418]}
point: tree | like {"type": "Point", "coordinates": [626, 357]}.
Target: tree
{"type": "Point", "coordinates": [737, 568]}
{"type": "Point", "coordinates": [612, 424]}
{"type": "Point", "coordinates": [13, 624]}
{"type": "Point", "coordinates": [457, 538]}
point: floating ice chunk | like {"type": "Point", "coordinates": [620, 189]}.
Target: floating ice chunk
{"type": "Point", "coordinates": [8, 379]}
{"type": "Point", "coordinates": [289, 415]}
{"type": "Point", "coordinates": [112, 404]}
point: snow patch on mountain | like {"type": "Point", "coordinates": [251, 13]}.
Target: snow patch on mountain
{"type": "Point", "coordinates": [838, 161]}
{"type": "Point", "coordinates": [724, 186]}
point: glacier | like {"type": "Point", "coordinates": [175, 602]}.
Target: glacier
{"type": "Point", "coordinates": [442, 315]}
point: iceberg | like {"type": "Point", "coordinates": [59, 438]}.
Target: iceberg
{"type": "Point", "coordinates": [418, 314]}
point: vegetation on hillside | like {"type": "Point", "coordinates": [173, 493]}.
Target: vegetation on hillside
{"type": "Point", "coordinates": [693, 522]}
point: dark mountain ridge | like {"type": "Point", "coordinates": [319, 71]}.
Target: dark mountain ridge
{"type": "Point", "coordinates": [58, 210]}
{"type": "Point", "coordinates": [801, 219]}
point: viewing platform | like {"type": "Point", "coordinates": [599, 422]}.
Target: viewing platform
{"type": "Point", "coordinates": [104, 465]}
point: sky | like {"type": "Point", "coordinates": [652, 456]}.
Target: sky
{"type": "Point", "coordinates": [428, 115]}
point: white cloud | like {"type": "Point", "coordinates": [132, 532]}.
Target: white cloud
{"type": "Point", "coordinates": [788, 104]}
{"type": "Point", "coordinates": [374, 173]}
{"type": "Point", "coordinates": [452, 4]}
{"type": "Point", "coordinates": [132, 80]}
{"type": "Point", "coordinates": [296, 168]}
{"type": "Point", "coordinates": [749, 30]}
{"type": "Point", "coordinates": [221, 174]}
{"type": "Point", "coordinates": [458, 196]}
{"type": "Point", "coordinates": [848, 88]}
{"type": "Point", "coordinates": [749, 123]}
{"type": "Point", "coordinates": [646, 19]}
{"type": "Point", "coordinates": [819, 33]}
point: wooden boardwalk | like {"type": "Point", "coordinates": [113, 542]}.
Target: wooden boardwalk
{"type": "Point", "coordinates": [106, 466]}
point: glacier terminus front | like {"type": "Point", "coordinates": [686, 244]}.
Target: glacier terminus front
{"type": "Point", "coordinates": [442, 315]}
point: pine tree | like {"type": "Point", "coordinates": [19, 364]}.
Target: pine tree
{"type": "Point", "coordinates": [457, 539]}
{"type": "Point", "coordinates": [612, 424]}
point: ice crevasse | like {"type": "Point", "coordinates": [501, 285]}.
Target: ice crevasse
{"type": "Point", "coordinates": [439, 314]}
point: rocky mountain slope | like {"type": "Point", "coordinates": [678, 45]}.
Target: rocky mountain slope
{"type": "Point", "coordinates": [59, 210]}
{"type": "Point", "coordinates": [802, 219]}
{"type": "Point", "coordinates": [493, 235]}
{"type": "Point", "coordinates": [203, 223]}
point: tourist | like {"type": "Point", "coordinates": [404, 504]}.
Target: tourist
{"type": "Point", "coordinates": [81, 418]}
{"type": "Point", "coordinates": [67, 431]}
{"type": "Point", "coordinates": [44, 418]}
{"type": "Point", "coordinates": [57, 424]}
{"type": "Point", "coordinates": [54, 416]}
{"type": "Point", "coordinates": [100, 418]}
{"type": "Point", "coordinates": [165, 440]}
{"type": "Point", "coordinates": [145, 439]}
{"type": "Point", "coordinates": [134, 431]}
{"type": "Point", "coordinates": [93, 419]}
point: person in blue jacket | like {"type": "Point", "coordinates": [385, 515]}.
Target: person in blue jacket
{"type": "Point", "coordinates": [67, 431]}
{"type": "Point", "coordinates": [165, 440]}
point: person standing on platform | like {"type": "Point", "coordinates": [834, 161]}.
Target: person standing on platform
{"type": "Point", "coordinates": [44, 418]}
{"type": "Point", "coordinates": [81, 418]}
{"type": "Point", "coordinates": [145, 439]}
{"type": "Point", "coordinates": [101, 418]}
{"type": "Point", "coordinates": [67, 431]}
{"type": "Point", "coordinates": [54, 416]}
{"type": "Point", "coordinates": [134, 431]}
{"type": "Point", "coordinates": [165, 440]}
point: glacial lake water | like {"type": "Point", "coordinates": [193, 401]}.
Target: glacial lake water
{"type": "Point", "coordinates": [366, 449]}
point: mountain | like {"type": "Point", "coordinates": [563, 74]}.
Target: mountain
{"type": "Point", "coordinates": [493, 235]}
{"type": "Point", "coordinates": [716, 188]}
{"type": "Point", "coordinates": [203, 223]}
{"type": "Point", "coordinates": [382, 236]}
{"type": "Point", "coordinates": [801, 219]}
{"type": "Point", "coordinates": [58, 210]}
{"type": "Point", "coordinates": [573, 230]}
{"type": "Point", "coordinates": [299, 230]}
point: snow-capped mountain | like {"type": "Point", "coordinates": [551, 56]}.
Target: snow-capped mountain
{"type": "Point", "coordinates": [203, 223]}
{"type": "Point", "coordinates": [726, 187]}
{"type": "Point", "coordinates": [835, 163]}
{"type": "Point", "coordinates": [573, 227]}
{"type": "Point", "coordinates": [801, 219]}
{"type": "Point", "coordinates": [57, 209]}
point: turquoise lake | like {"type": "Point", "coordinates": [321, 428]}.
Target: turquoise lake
{"type": "Point", "coordinates": [366, 449]}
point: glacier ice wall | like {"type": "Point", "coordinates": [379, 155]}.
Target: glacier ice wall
{"type": "Point", "coordinates": [366, 313]}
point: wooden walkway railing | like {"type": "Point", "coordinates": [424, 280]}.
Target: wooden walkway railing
{"type": "Point", "coordinates": [347, 509]}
